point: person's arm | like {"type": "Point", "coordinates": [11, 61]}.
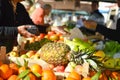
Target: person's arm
{"type": "Point", "coordinates": [108, 33]}
{"type": "Point", "coordinates": [13, 31]}
{"type": "Point", "coordinates": [8, 31]}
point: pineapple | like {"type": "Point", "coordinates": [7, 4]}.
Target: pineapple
{"type": "Point", "coordinates": [83, 56]}
{"type": "Point", "coordinates": [55, 53]}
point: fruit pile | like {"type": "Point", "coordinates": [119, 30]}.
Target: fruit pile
{"type": "Point", "coordinates": [82, 59]}
{"type": "Point", "coordinates": [51, 35]}
{"type": "Point", "coordinates": [13, 71]}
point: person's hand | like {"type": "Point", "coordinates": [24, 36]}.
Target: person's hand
{"type": "Point", "coordinates": [22, 30]}
{"type": "Point", "coordinates": [59, 29]}
{"type": "Point", "coordinates": [89, 24]}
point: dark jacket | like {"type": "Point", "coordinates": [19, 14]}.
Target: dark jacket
{"type": "Point", "coordinates": [9, 20]}
{"type": "Point", "coordinates": [109, 33]}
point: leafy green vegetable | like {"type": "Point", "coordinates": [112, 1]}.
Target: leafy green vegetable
{"type": "Point", "coordinates": [111, 47]}
{"type": "Point", "coordinates": [37, 44]}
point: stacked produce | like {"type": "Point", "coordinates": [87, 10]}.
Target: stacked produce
{"type": "Point", "coordinates": [81, 59]}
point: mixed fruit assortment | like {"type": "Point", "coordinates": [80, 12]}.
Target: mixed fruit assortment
{"type": "Point", "coordinates": [79, 59]}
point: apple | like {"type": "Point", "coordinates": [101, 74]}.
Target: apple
{"type": "Point", "coordinates": [36, 56]}
{"type": "Point", "coordinates": [61, 38]}
{"type": "Point", "coordinates": [46, 36]}
{"type": "Point", "coordinates": [30, 53]}
{"type": "Point", "coordinates": [54, 37]}
{"type": "Point", "coordinates": [51, 32]}
{"type": "Point", "coordinates": [13, 54]}
{"type": "Point", "coordinates": [24, 56]}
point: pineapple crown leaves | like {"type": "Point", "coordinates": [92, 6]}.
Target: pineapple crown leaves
{"type": "Point", "coordinates": [82, 56]}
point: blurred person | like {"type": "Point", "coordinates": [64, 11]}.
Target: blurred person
{"type": "Point", "coordinates": [115, 18]}
{"type": "Point", "coordinates": [102, 29]}
{"type": "Point", "coordinates": [35, 5]}
{"type": "Point", "coordinates": [15, 19]}
{"type": "Point", "coordinates": [39, 14]}
{"type": "Point", "coordinates": [108, 33]}
{"type": "Point", "coordinates": [79, 22]}
{"type": "Point", "coordinates": [96, 15]}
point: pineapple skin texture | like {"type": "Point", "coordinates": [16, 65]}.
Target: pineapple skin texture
{"type": "Point", "coordinates": [55, 53]}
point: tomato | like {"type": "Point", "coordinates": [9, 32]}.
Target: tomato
{"type": "Point", "coordinates": [41, 36]}
{"type": "Point", "coordinates": [54, 37]}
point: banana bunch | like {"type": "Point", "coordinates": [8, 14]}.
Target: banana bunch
{"type": "Point", "coordinates": [112, 63]}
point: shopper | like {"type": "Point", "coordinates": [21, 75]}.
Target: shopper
{"type": "Point", "coordinates": [13, 20]}
{"type": "Point", "coordinates": [111, 34]}
{"type": "Point", "coordinates": [108, 33]}
{"type": "Point", "coordinates": [39, 14]}
{"type": "Point", "coordinates": [96, 15]}
{"type": "Point", "coordinates": [115, 18]}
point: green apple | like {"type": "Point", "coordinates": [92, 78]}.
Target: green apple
{"type": "Point", "coordinates": [24, 56]}
{"type": "Point", "coordinates": [30, 53]}
{"type": "Point", "coordinates": [36, 56]}
{"type": "Point", "coordinates": [13, 54]}
{"type": "Point", "coordinates": [54, 37]}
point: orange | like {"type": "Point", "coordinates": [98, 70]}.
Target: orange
{"type": "Point", "coordinates": [14, 67]}
{"type": "Point", "coordinates": [6, 71]}
{"type": "Point", "coordinates": [74, 75]}
{"type": "Point", "coordinates": [32, 76]}
{"type": "Point", "coordinates": [1, 78]}
{"type": "Point", "coordinates": [36, 68]}
{"type": "Point", "coordinates": [92, 73]}
{"type": "Point", "coordinates": [13, 77]}
{"type": "Point", "coordinates": [86, 78]}
{"type": "Point", "coordinates": [107, 72]}
{"type": "Point", "coordinates": [21, 69]}
{"type": "Point", "coordinates": [1, 63]}
{"type": "Point", "coordinates": [114, 75]}
{"type": "Point", "coordinates": [69, 78]}
{"type": "Point", "coordinates": [48, 75]}
{"type": "Point", "coordinates": [103, 77]}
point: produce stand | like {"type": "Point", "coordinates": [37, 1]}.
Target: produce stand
{"type": "Point", "coordinates": [86, 59]}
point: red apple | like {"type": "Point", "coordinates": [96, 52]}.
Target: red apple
{"type": "Point", "coordinates": [51, 32]}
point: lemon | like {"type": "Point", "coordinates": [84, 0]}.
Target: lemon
{"type": "Point", "coordinates": [99, 54]}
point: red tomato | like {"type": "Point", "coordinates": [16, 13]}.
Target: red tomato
{"type": "Point", "coordinates": [41, 36]}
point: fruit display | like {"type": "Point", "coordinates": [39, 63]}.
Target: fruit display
{"type": "Point", "coordinates": [51, 56]}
